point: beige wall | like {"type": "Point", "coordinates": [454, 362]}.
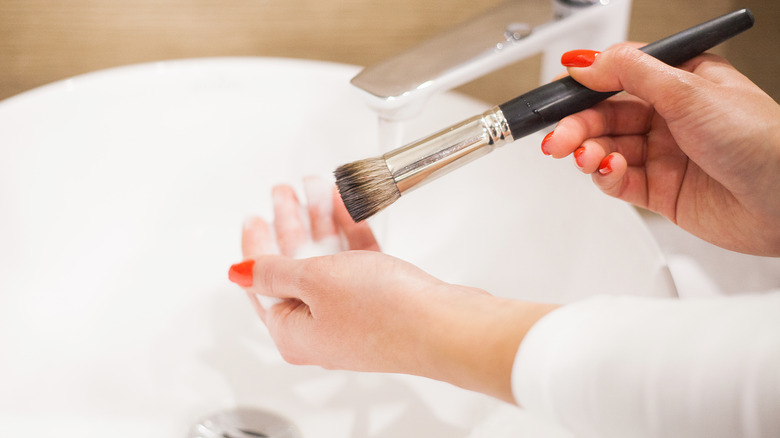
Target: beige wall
{"type": "Point", "coordinates": [45, 40]}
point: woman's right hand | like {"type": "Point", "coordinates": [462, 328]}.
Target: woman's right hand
{"type": "Point", "coordinates": [699, 144]}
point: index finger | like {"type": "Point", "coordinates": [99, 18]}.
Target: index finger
{"type": "Point", "coordinates": [257, 238]}
{"type": "Point", "coordinates": [320, 208]}
{"type": "Point", "coordinates": [291, 231]}
{"type": "Point", "coordinates": [619, 115]}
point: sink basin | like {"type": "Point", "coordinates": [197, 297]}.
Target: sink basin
{"type": "Point", "coordinates": [122, 195]}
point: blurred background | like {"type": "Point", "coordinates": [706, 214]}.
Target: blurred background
{"type": "Point", "coordinates": [42, 41]}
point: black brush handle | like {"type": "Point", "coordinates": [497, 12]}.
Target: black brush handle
{"type": "Point", "coordinates": [550, 103]}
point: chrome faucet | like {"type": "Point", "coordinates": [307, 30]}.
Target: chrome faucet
{"type": "Point", "coordinates": [399, 87]}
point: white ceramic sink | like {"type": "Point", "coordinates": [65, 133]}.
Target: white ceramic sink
{"type": "Point", "coordinates": [122, 195]}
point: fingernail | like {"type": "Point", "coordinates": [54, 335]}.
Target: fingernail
{"type": "Point", "coordinates": [579, 58]}
{"type": "Point", "coordinates": [545, 142]}
{"type": "Point", "coordinates": [578, 156]}
{"type": "Point", "coordinates": [242, 273]}
{"type": "Point", "coordinates": [605, 167]}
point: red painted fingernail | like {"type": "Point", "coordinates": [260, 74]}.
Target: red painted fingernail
{"type": "Point", "coordinates": [577, 155]}
{"type": "Point", "coordinates": [579, 58]}
{"type": "Point", "coordinates": [242, 273]}
{"type": "Point", "coordinates": [545, 142]}
{"type": "Point", "coordinates": [605, 167]}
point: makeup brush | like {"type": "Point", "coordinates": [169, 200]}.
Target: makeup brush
{"type": "Point", "coordinates": [368, 186]}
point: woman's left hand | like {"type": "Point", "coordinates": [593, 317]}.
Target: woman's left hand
{"type": "Point", "coordinates": [367, 311]}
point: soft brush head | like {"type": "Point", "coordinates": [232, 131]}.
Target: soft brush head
{"type": "Point", "coordinates": [366, 187]}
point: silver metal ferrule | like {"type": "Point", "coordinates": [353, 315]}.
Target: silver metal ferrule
{"type": "Point", "coordinates": [425, 160]}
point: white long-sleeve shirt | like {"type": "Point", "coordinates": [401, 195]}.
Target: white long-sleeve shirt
{"type": "Point", "coordinates": [625, 367]}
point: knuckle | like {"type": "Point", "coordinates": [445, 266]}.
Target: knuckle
{"type": "Point", "coordinates": [269, 278]}
{"type": "Point", "coordinates": [614, 187]}
{"type": "Point", "coordinates": [314, 265]}
{"type": "Point", "coordinates": [626, 57]}
{"type": "Point", "coordinates": [281, 277]}
{"type": "Point", "coordinates": [308, 277]}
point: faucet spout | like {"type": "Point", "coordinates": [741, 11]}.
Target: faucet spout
{"type": "Point", "coordinates": [398, 88]}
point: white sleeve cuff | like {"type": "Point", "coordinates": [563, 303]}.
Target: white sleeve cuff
{"type": "Point", "coordinates": [642, 367]}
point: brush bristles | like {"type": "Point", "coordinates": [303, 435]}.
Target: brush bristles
{"type": "Point", "coordinates": [366, 187]}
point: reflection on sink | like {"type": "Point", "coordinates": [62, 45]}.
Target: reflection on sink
{"type": "Point", "coordinates": [122, 195]}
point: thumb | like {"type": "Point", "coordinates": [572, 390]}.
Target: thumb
{"type": "Point", "coordinates": [270, 275]}
{"type": "Point", "coordinates": [624, 67]}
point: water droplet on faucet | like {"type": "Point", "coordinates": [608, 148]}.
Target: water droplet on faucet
{"type": "Point", "coordinates": [517, 31]}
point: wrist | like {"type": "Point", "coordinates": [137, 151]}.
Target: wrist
{"type": "Point", "coordinates": [475, 338]}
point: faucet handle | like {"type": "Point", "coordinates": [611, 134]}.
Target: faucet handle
{"type": "Point", "coordinates": [398, 87]}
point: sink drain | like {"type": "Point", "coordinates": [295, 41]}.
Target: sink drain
{"type": "Point", "coordinates": [244, 423]}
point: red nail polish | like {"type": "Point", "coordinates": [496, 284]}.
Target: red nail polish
{"type": "Point", "coordinates": [577, 156]}
{"type": "Point", "coordinates": [605, 167]}
{"type": "Point", "coordinates": [579, 58]}
{"type": "Point", "coordinates": [242, 273]}
{"type": "Point", "coordinates": [545, 142]}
